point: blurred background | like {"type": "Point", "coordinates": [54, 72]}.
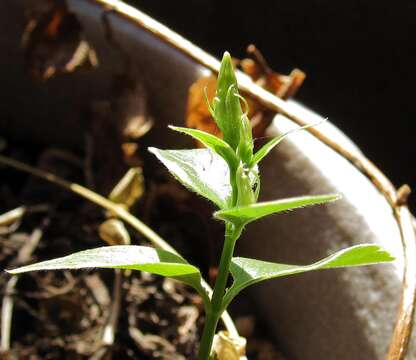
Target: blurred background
{"type": "Point", "coordinates": [359, 57]}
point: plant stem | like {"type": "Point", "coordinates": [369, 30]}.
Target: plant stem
{"type": "Point", "coordinates": [232, 233]}
{"type": "Point", "coordinates": [205, 345]}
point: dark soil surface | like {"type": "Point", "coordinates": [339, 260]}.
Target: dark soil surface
{"type": "Point", "coordinates": [102, 314]}
{"type": "Point", "coordinates": [63, 314]}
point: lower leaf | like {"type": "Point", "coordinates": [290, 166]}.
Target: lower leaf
{"type": "Point", "coordinates": [133, 257]}
{"type": "Point", "coordinates": [247, 272]}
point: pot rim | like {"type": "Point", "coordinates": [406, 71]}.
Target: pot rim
{"type": "Point", "coordinates": [397, 198]}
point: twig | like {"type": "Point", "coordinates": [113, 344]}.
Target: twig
{"type": "Point", "coordinates": [117, 210]}
{"type": "Point", "coordinates": [8, 303]}
{"type": "Point", "coordinates": [6, 313]}
{"type": "Point", "coordinates": [24, 254]}
{"type": "Point", "coordinates": [259, 58]}
{"type": "Point", "coordinates": [403, 328]}
{"type": "Point", "coordinates": [110, 328]}
{"type": "Point", "coordinates": [102, 298]}
{"type": "Point", "coordinates": [12, 216]}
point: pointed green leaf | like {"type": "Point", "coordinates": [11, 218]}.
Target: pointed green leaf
{"type": "Point", "coordinates": [133, 257]}
{"type": "Point", "coordinates": [247, 214]}
{"type": "Point", "coordinates": [201, 171]}
{"type": "Point", "coordinates": [226, 104]}
{"type": "Point", "coordinates": [247, 272]}
{"type": "Point", "coordinates": [266, 148]}
{"type": "Point", "coordinates": [212, 142]}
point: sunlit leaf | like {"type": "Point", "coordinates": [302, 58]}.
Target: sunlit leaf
{"type": "Point", "coordinates": [247, 214]}
{"type": "Point", "coordinates": [271, 144]}
{"type": "Point", "coordinates": [212, 142]}
{"type": "Point", "coordinates": [247, 272]}
{"type": "Point", "coordinates": [133, 257]}
{"type": "Point", "coordinates": [201, 171]}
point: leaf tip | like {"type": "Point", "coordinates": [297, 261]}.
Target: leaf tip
{"type": "Point", "coordinates": [330, 198]}
{"type": "Point", "coordinates": [226, 56]}
{"type": "Point", "coordinates": [379, 253]}
{"type": "Point", "coordinates": [385, 255]}
{"type": "Point", "coordinates": [336, 197]}
{"type": "Point", "coordinates": [12, 271]}
{"type": "Point", "coordinates": [226, 75]}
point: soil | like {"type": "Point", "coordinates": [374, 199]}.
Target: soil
{"type": "Point", "coordinates": [102, 314]}
{"type": "Point", "coordinates": [60, 315]}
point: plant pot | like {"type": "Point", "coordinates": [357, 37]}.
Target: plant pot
{"type": "Point", "coordinates": [361, 313]}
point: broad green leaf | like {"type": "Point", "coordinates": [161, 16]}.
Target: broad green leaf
{"type": "Point", "coordinates": [133, 257]}
{"type": "Point", "coordinates": [201, 171]}
{"type": "Point", "coordinates": [247, 272]}
{"type": "Point", "coordinates": [212, 142]}
{"type": "Point", "coordinates": [266, 148]}
{"type": "Point", "coordinates": [226, 104]}
{"type": "Point", "coordinates": [247, 214]}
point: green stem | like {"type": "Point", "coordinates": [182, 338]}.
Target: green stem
{"type": "Point", "coordinates": [232, 233]}
{"type": "Point", "coordinates": [210, 327]}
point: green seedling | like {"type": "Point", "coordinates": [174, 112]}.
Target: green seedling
{"type": "Point", "coordinates": [226, 173]}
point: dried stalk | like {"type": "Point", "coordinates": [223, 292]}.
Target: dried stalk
{"type": "Point", "coordinates": [8, 301]}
